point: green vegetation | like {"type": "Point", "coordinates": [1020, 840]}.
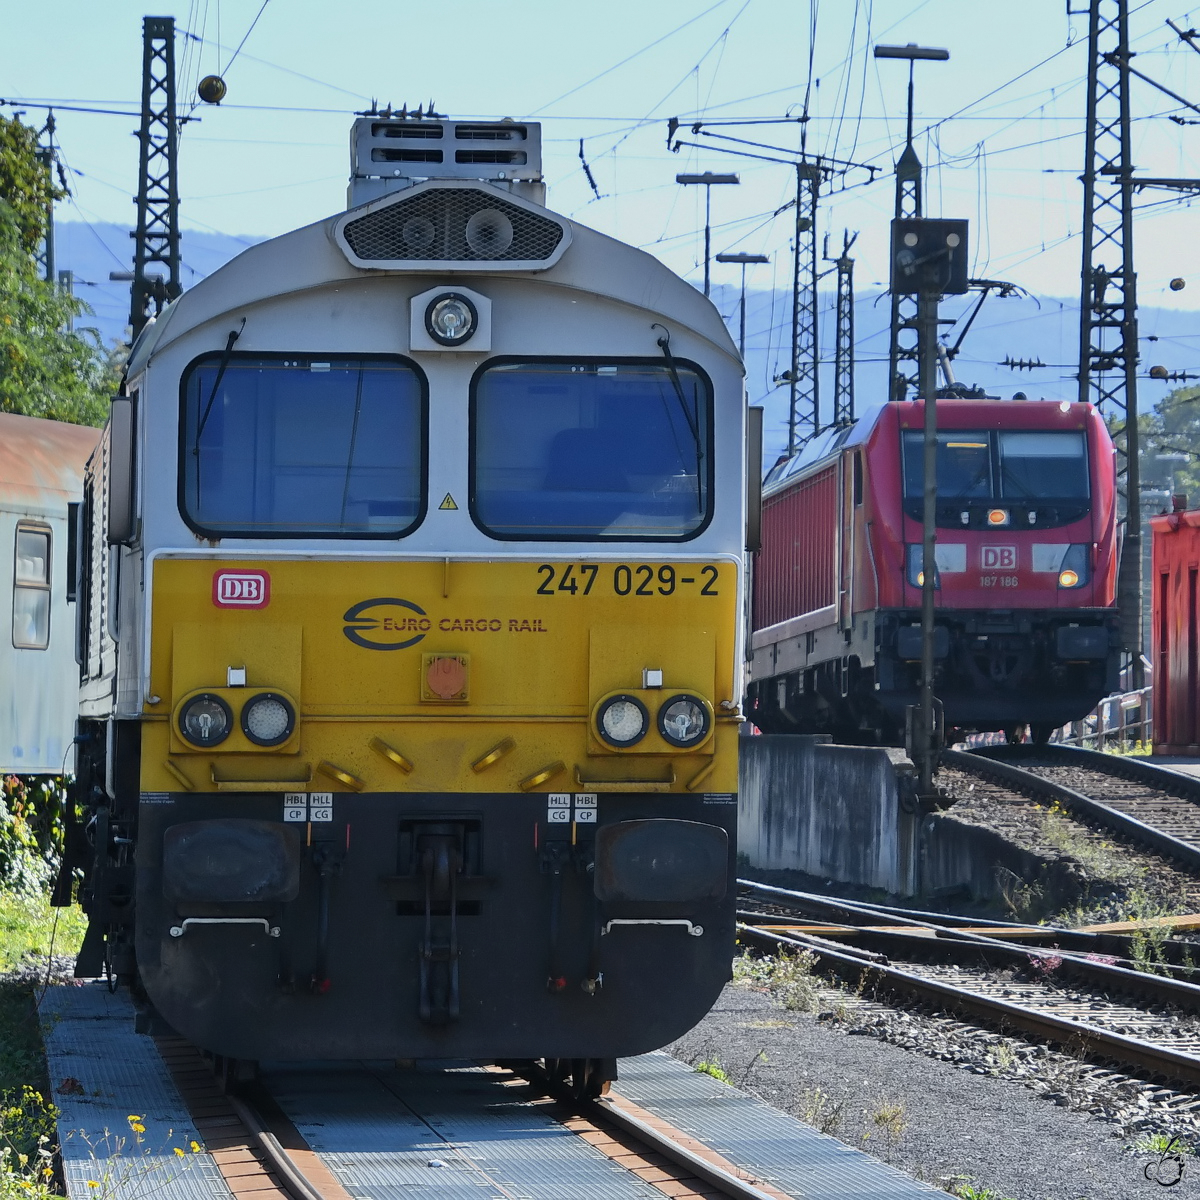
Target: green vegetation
{"type": "Point", "coordinates": [822, 1112]}
{"type": "Point", "coordinates": [1132, 750]}
{"type": "Point", "coordinates": [888, 1120]}
{"type": "Point", "coordinates": [47, 369]}
{"type": "Point", "coordinates": [1101, 860]}
{"type": "Point", "coordinates": [31, 832]}
{"type": "Point", "coordinates": [968, 1191]}
{"type": "Point", "coordinates": [713, 1068]}
{"type": "Point", "coordinates": [789, 978]}
{"type": "Point", "coordinates": [25, 185]}
{"type": "Point", "coordinates": [1172, 425]}
{"type": "Point", "coordinates": [27, 1115]}
{"type": "Point", "coordinates": [1163, 1143]}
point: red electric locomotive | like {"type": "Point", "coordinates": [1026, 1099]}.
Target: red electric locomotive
{"type": "Point", "coordinates": [1026, 631]}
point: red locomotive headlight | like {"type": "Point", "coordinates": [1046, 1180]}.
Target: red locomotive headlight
{"type": "Point", "coordinates": [1073, 571]}
{"type": "Point", "coordinates": [914, 567]}
{"type": "Point", "coordinates": [997, 517]}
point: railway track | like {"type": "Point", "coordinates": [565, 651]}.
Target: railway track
{"type": "Point", "coordinates": [262, 1154]}
{"type": "Point", "coordinates": [1146, 1025]}
{"type": "Point", "coordinates": [1152, 806]}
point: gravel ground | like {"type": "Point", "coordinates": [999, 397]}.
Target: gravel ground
{"type": "Point", "coordinates": [947, 1103]}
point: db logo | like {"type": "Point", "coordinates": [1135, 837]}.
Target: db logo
{"type": "Point", "coordinates": [241, 589]}
{"type": "Point", "coordinates": [999, 558]}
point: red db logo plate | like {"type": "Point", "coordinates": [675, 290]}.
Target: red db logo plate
{"type": "Point", "coordinates": [241, 589]}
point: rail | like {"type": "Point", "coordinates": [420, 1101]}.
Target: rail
{"type": "Point", "coordinates": [987, 764]}
{"type": "Point", "coordinates": [864, 964]}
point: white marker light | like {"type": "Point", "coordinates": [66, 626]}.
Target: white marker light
{"type": "Point", "coordinates": [451, 319]}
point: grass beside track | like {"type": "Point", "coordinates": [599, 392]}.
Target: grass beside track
{"type": "Point", "coordinates": [28, 930]}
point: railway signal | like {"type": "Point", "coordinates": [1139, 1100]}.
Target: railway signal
{"type": "Point", "coordinates": [908, 205]}
{"type": "Point", "coordinates": [929, 259]}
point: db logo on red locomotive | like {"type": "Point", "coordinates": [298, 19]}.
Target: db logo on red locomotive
{"type": "Point", "coordinates": [999, 558]}
{"type": "Point", "coordinates": [241, 589]}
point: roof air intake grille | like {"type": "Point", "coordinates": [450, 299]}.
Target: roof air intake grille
{"type": "Point", "coordinates": [432, 225]}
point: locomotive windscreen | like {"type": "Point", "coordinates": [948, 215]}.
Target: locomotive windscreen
{"type": "Point", "coordinates": [1004, 464]}
{"type": "Point", "coordinates": [588, 451]}
{"type": "Point", "coordinates": [289, 447]}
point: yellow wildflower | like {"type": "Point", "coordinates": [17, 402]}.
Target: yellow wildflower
{"type": "Point", "coordinates": [178, 1152]}
{"type": "Point", "coordinates": [195, 1147]}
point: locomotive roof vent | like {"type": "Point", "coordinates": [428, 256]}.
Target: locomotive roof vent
{"type": "Point", "coordinates": [390, 153]}
{"type": "Point", "coordinates": [446, 225]}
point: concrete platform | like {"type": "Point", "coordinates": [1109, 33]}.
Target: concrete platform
{"type": "Point", "coordinates": [1176, 762]}
{"type": "Point", "coordinates": [454, 1129]}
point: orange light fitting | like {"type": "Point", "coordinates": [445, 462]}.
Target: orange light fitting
{"type": "Point", "coordinates": [997, 516]}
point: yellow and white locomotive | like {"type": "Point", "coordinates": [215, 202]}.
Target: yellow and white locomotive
{"type": "Point", "coordinates": [413, 562]}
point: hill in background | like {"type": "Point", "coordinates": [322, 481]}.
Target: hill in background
{"type": "Point", "coordinates": [1042, 329]}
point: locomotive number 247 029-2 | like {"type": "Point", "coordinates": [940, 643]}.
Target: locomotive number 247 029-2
{"type": "Point", "coordinates": [643, 579]}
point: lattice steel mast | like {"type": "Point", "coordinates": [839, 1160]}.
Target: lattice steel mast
{"type": "Point", "coordinates": [902, 350]}
{"type": "Point", "coordinates": [843, 354]}
{"type": "Point", "coordinates": [811, 171]}
{"type": "Point", "coordinates": [156, 239]}
{"type": "Point", "coordinates": [47, 160]}
{"type": "Point", "coordinates": [1108, 339]}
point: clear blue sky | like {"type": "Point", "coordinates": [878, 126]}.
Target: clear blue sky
{"type": "Point", "coordinates": [999, 126]}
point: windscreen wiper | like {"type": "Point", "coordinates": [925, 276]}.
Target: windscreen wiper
{"type": "Point", "coordinates": [664, 344]}
{"type": "Point", "coordinates": [234, 334]}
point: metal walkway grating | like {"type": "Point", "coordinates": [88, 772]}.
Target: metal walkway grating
{"type": "Point", "coordinates": [781, 1150]}
{"type": "Point", "coordinates": [381, 1138]}
{"type": "Point", "coordinates": [100, 1073]}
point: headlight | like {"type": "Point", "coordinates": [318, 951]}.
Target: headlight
{"type": "Point", "coordinates": [451, 319]}
{"type": "Point", "coordinates": [268, 719]}
{"type": "Point", "coordinates": [916, 576]}
{"type": "Point", "coordinates": [205, 720]}
{"type": "Point", "coordinates": [622, 720]}
{"type": "Point", "coordinates": [1073, 571]}
{"type": "Point", "coordinates": [684, 721]}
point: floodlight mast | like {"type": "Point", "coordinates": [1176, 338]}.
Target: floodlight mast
{"type": "Point", "coordinates": [810, 172]}
{"type": "Point", "coordinates": [707, 179]}
{"type": "Point", "coordinates": [908, 205]}
{"type": "Point", "coordinates": [744, 260]}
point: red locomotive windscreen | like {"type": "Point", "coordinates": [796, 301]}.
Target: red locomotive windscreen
{"type": "Point", "coordinates": [795, 572]}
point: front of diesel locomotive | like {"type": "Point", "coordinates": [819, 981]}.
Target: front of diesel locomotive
{"type": "Point", "coordinates": [411, 678]}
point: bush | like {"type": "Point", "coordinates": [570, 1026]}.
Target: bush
{"type": "Point", "coordinates": [31, 831]}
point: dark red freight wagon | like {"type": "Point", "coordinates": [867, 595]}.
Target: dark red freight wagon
{"type": "Point", "coordinates": [1026, 560]}
{"type": "Point", "coordinates": [1175, 641]}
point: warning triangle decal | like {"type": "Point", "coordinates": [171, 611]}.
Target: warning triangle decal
{"type": "Point", "coordinates": [448, 503]}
